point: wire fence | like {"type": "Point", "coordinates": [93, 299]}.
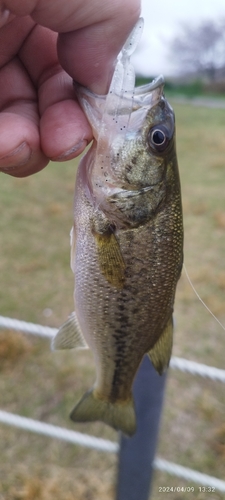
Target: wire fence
{"type": "Point", "coordinates": [102, 444]}
{"type": "Point", "coordinates": [175, 363]}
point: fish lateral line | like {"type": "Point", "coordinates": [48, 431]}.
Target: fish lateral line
{"type": "Point", "coordinates": [201, 300]}
{"type": "Point", "coordinates": [118, 282]}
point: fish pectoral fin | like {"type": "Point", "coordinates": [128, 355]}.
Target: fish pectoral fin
{"type": "Point", "coordinates": [160, 353]}
{"type": "Point", "coordinates": [120, 415]}
{"type": "Point", "coordinates": [69, 335]}
{"type": "Point", "coordinates": [110, 258]}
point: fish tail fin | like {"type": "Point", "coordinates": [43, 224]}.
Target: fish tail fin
{"type": "Point", "coordinates": [120, 415]}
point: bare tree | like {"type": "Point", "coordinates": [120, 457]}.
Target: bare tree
{"type": "Point", "coordinates": [201, 49]}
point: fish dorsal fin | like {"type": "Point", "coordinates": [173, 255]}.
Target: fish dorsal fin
{"type": "Point", "coordinates": [110, 258]}
{"type": "Point", "coordinates": [69, 335]}
{"type": "Point", "coordinates": [160, 354]}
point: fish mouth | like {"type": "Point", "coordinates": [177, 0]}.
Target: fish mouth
{"type": "Point", "coordinates": [150, 93]}
{"type": "Point", "coordinates": [159, 81]}
{"type": "Point", "coordinates": [96, 106]}
{"type": "Point", "coordinates": [123, 97]}
{"type": "Point", "coordinates": [139, 92]}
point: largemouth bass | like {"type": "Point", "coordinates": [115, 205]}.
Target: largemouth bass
{"type": "Point", "coordinates": [127, 241]}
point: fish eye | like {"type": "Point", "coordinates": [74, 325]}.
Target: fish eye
{"type": "Point", "coordinates": [158, 137]}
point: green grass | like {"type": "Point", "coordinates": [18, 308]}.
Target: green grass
{"type": "Point", "coordinates": [36, 218]}
{"type": "Point", "coordinates": [34, 227]}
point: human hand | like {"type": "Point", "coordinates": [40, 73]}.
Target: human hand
{"type": "Point", "coordinates": [40, 119]}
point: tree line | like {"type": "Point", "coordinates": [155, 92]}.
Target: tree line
{"type": "Point", "coordinates": [201, 49]}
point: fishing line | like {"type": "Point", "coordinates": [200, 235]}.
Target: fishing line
{"type": "Point", "coordinates": [202, 301]}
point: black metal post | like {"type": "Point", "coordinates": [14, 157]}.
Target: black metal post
{"type": "Point", "coordinates": [137, 453]}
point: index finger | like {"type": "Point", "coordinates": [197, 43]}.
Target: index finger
{"type": "Point", "coordinates": [91, 33]}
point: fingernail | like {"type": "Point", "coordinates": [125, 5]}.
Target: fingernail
{"type": "Point", "coordinates": [16, 158]}
{"type": "Point", "coordinates": [75, 150]}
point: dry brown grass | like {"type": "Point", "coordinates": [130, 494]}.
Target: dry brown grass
{"type": "Point", "coordinates": [61, 488]}
{"type": "Point", "coordinates": [13, 348]}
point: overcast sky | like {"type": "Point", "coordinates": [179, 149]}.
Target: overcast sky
{"type": "Point", "coordinates": [162, 19]}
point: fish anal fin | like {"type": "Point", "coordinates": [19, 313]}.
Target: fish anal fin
{"type": "Point", "coordinates": [69, 335]}
{"type": "Point", "coordinates": [110, 258]}
{"type": "Point", "coordinates": [160, 353]}
{"type": "Point", "coordinates": [120, 415]}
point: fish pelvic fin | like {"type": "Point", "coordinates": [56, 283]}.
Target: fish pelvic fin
{"type": "Point", "coordinates": [110, 258]}
{"type": "Point", "coordinates": [120, 415]}
{"type": "Point", "coordinates": [69, 335]}
{"type": "Point", "coordinates": [160, 353]}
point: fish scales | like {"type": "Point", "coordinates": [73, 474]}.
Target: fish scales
{"type": "Point", "coordinates": [127, 245]}
{"type": "Point", "coordinates": [113, 317]}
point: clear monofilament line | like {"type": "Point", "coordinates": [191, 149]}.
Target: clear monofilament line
{"type": "Point", "coordinates": [202, 301]}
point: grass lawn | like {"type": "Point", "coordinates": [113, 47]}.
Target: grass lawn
{"type": "Point", "coordinates": [37, 285]}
